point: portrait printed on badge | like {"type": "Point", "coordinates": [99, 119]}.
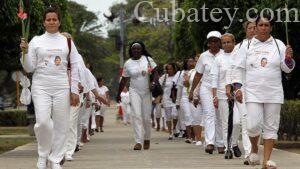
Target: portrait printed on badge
{"type": "Point", "coordinates": [264, 62]}
{"type": "Point", "coordinates": [57, 60]}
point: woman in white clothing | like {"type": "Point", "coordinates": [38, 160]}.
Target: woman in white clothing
{"type": "Point", "coordinates": [212, 121]}
{"type": "Point", "coordinates": [51, 89]}
{"type": "Point", "coordinates": [263, 86]}
{"type": "Point", "coordinates": [220, 69]}
{"type": "Point", "coordinates": [104, 93]}
{"type": "Point", "coordinates": [125, 102]}
{"type": "Point", "coordinates": [192, 114]}
{"type": "Point", "coordinates": [138, 70]}
{"type": "Point", "coordinates": [240, 116]}
{"type": "Point", "coordinates": [166, 81]}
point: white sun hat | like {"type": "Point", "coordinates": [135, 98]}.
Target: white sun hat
{"type": "Point", "coordinates": [215, 34]}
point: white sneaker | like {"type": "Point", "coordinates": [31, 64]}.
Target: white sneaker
{"type": "Point", "coordinates": [254, 159]}
{"type": "Point", "coordinates": [55, 166]}
{"type": "Point", "coordinates": [69, 157]}
{"type": "Point", "coordinates": [81, 144]}
{"type": "Point", "coordinates": [198, 143]}
{"type": "Point", "coordinates": [181, 134]}
{"type": "Point", "coordinates": [42, 163]}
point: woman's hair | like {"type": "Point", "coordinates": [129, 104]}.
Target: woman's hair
{"type": "Point", "coordinates": [229, 35]}
{"type": "Point", "coordinates": [144, 51]}
{"type": "Point", "coordinates": [267, 17]}
{"type": "Point", "coordinates": [174, 66]}
{"type": "Point", "coordinates": [99, 79]}
{"type": "Point", "coordinates": [246, 24]}
{"type": "Point", "coordinates": [185, 63]}
{"type": "Point", "coordinates": [53, 8]}
{"type": "Point", "coordinates": [57, 57]}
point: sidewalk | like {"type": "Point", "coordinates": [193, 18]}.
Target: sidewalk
{"type": "Point", "coordinates": [113, 150]}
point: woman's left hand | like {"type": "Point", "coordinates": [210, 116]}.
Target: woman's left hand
{"type": "Point", "coordinates": [289, 52]}
{"type": "Point", "coordinates": [74, 100]}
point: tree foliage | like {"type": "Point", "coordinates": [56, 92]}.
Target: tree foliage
{"type": "Point", "coordinates": [11, 28]}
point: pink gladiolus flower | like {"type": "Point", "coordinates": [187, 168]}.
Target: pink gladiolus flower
{"type": "Point", "coordinates": [150, 69]}
{"type": "Point", "coordinates": [22, 15]}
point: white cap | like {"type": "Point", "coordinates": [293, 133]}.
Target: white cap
{"type": "Point", "coordinates": [216, 34]}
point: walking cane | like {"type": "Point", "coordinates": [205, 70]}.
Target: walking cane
{"type": "Point", "coordinates": [286, 24]}
{"type": "Point", "coordinates": [228, 154]}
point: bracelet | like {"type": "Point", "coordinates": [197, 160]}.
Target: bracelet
{"type": "Point", "coordinates": [236, 91]}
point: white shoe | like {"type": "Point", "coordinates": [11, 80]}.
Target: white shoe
{"type": "Point", "coordinates": [55, 166]}
{"type": "Point", "coordinates": [80, 144]}
{"type": "Point", "coordinates": [198, 143]}
{"type": "Point", "coordinates": [254, 159]}
{"type": "Point", "coordinates": [69, 157]}
{"type": "Point", "coordinates": [42, 163]}
{"type": "Point", "coordinates": [181, 134]}
{"type": "Point", "coordinates": [194, 142]}
{"type": "Point", "coordinates": [271, 164]}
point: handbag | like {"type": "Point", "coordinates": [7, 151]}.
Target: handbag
{"type": "Point", "coordinates": [25, 97]}
{"type": "Point", "coordinates": [156, 89]}
{"type": "Point", "coordinates": [173, 94]}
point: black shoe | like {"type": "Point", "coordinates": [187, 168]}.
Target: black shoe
{"type": "Point", "coordinates": [184, 134]}
{"type": "Point", "coordinates": [91, 132]}
{"type": "Point", "coordinates": [176, 134]}
{"type": "Point", "coordinates": [209, 149]}
{"type": "Point", "coordinates": [97, 130]}
{"type": "Point", "coordinates": [77, 148]}
{"type": "Point", "coordinates": [228, 154]}
{"type": "Point", "coordinates": [237, 151]}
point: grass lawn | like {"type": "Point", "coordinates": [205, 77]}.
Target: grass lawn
{"type": "Point", "coordinates": [13, 130]}
{"type": "Point", "coordinates": [7, 144]}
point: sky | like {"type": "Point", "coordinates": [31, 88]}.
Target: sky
{"type": "Point", "coordinates": [99, 7]}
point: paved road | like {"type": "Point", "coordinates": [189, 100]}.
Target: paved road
{"type": "Point", "coordinates": [113, 150]}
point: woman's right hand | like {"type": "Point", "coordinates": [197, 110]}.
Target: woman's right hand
{"type": "Point", "coordinates": [24, 45]}
{"type": "Point", "coordinates": [239, 96]}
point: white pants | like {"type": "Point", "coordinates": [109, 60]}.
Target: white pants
{"type": "Point", "coordinates": [212, 120]}
{"type": "Point", "coordinates": [86, 113]}
{"type": "Point", "coordinates": [72, 135]}
{"type": "Point", "coordinates": [197, 114]}
{"type": "Point", "coordinates": [185, 106]}
{"type": "Point", "coordinates": [171, 113]}
{"type": "Point", "coordinates": [126, 110]}
{"type": "Point", "coordinates": [263, 116]}
{"type": "Point", "coordinates": [79, 123]}
{"type": "Point", "coordinates": [52, 109]}
{"type": "Point", "coordinates": [93, 114]}
{"type": "Point", "coordinates": [158, 111]}
{"type": "Point", "coordinates": [181, 122]}
{"type": "Point", "coordinates": [224, 112]}
{"type": "Point", "coordinates": [141, 115]}
{"type": "Point", "coordinates": [241, 118]}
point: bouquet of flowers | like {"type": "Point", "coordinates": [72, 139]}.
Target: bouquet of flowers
{"type": "Point", "coordinates": [25, 19]}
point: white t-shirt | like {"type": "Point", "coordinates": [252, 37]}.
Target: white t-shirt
{"type": "Point", "coordinates": [218, 72]}
{"type": "Point", "coordinates": [186, 90]}
{"type": "Point", "coordinates": [47, 58]}
{"type": "Point", "coordinates": [167, 86]}
{"type": "Point", "coordinates": [102, 92]}
{"type": "Point", "coordinates": [139, 82]}
{"type": "Point", "coordinates": [263, 65]}
{"type": "Point", "coordinates": [125, 98]}
{"type": "Point", "coordinates": [204, 65]}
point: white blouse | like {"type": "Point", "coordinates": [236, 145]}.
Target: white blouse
{"type": "Point", "coordinates": [47, 59]}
